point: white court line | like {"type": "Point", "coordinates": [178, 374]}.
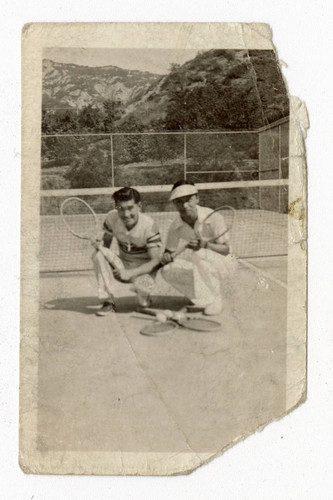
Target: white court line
{"type": "Point", "coordinates": [264, 273]}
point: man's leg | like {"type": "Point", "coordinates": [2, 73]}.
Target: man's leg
{"type": "Point", "coordinates": [143, 287]}
{"type": "Point", "coordinates": [207, 285]}
{"type": "Point", "coordinates": [105, 280]}
{"type": "Point", "coordinates": [200, 279]}
{"type": "Point", "coordinates": [199, 284]}
{"type": "Point", "coordinates": [180, 275]}
{"type": "Point", "coordinates": [215, 271]}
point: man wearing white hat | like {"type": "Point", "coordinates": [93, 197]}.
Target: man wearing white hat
{"type": "Point", "coordinates": [201, 275]}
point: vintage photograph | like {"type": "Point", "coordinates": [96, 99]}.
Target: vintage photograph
{"type": "Point", "coordinates": [163, 252]}
{"type": "Point", "coordinates": [177, 148]}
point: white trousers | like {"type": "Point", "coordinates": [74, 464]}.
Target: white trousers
{"type": "Point", "coordinates": [202, 276]}
{"type": "Point", "coordinates": [106, 282]}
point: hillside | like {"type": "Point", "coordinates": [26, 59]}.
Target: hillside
{"type": "Point", "coordinates": [74, 86]}
{"type": "Point", "coordinates": [217, 90]}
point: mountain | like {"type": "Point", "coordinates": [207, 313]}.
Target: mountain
{"type": "Point", "coordinates": [74, 86]}
{"type": "Point", "coordinates": [216, 90]}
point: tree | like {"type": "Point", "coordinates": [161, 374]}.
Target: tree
{"type": "Point", "coordinates": [90, 119]}
{"type": "Point", "coordinates": [59, 121]}
{"type": "Point", "coordinates": [46, 122]}
{"type": "Point", "coordinates": [69, 121]}
{"type": "Point", "coordinates": [91, 169]}
{"type": "Point", "coordinates": [58, 151]}
{"type": "Point", "coordinates": [112, 111]}
{"type": "Point", "coordinates": [131, 124]}
{"type": "Point", "coordinates": [174, 67]}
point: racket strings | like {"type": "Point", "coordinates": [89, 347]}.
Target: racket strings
{"type": "Point", "coordinates": [80, 219]}
{"type": "Point", "coordinates": [228, 214]}
{"type": "Point", "coordinates": [158, 329]}
{"type": "Point", "coordinates": [200, 324]}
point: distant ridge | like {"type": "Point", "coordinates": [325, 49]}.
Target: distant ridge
{"type": "Point", "coordinates": [217, 89]}
{"type": "Point", "coordinates": [68, 85]}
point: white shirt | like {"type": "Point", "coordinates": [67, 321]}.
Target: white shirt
{"type": "Point", "coordinates": [134, 243]}
{"type": "Point", "coordinates": [180, 231]}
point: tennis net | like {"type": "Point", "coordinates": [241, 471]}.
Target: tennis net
{"type": "Point", "coordinates": [259, 229]}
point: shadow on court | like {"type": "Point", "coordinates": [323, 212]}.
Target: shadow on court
{"type": "Point", "coordinates": [89, 305]}
{"type": "Point", "coordinates": [84, 305]}
{"type": "Point", "coordinates": [103, 387]}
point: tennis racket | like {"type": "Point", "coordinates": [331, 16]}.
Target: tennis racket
{"type": "Point", "coordinates": [82, 222]}
{"type": "Point", "coordinates": [191, 322]}
{"type": "Point", "coordinates": [157, 329]}
{"type": "Point", "coordinates": [227, 212]}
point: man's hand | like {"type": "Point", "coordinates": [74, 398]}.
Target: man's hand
{"type": "Point", "coordinates": [166, 258]}
{"type": "Point", "coordinates": [97, 243]}
{"type": "Point", "coordinates": [123, 275]}
{"type": "Point", "coordinates": [97, 240]}
{"type": "Point", "coordinates": [196, 244]}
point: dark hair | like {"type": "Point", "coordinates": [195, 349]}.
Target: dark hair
{"type": "Point", "coordinates": [182, 182]}
{"type": "Point", "coordinates": [126, 194]}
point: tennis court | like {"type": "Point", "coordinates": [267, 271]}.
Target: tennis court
{"type": "Point", "coordinates": [105, 387]}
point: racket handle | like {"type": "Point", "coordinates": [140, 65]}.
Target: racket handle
{"type": "Point", "coordinates": [142, 316]}
{"type": "Point", "coordinates": [107, 258]}
{"type": "Point", "coordinates": [217, 237]}
{"type": "Point", "coordinates": [152, 312]}
{"type": "Point", "coordinates": [183, 247]}
{"type": "Point", "coordinates": [113, 267]}
{"type": "Point", "coordinates": [174, 254]}
{"type": "Point", "coordinates": [179, 251]}
{"type": "Point", "coordinates": [149, 312]}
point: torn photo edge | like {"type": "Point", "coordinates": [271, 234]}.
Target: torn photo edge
{"type": "Point", "coordinates": [140, 35]}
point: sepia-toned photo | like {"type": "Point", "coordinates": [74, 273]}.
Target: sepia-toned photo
{"type": "Point", "coordinates": [164, 253]}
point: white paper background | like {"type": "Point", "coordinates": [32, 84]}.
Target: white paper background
{"type": "Point", "coordinates": [290, 459]}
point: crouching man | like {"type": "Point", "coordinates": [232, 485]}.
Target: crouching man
{"type": "Point", "coordinates": [200, 274]}
{"type": "Point", "coordinates": [139, 245]}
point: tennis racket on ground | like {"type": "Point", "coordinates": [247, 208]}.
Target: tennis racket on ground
{"type": "Point", "coordinates": [191, 322]}
{"type": "Point", "coordinates": [82, 222]}
{"type": "Point", "coordinates": [157, 329]}
{"type": "Point", "coordinates": [227, 212]}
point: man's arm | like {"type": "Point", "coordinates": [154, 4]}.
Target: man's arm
{"type": "Point", "coordinates": [198, 243]}
{"type": "Point", "coordinates": [146, 268]}
{"type": "Point", "coordinates": [221, 244]}
{"type": "Point", "coordinates": [171, 245]}
{"type": "Point", "coordinates": [104, 238]}
{"type": "Point", "coordinates": [107, 236]}
{"type": "Point", "coordinates": [166, 258]}
{"type": "Point", "coordinates": [221, 248]}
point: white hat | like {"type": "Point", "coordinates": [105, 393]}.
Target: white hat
{"type": "Point", "coordinates": [183, 190]}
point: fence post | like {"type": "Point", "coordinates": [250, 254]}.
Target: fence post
{"type": "Point", "coordinates": [280, 173]}
{"type": "Point", "coordinates": [112, 164]}
{"type": "Point", "coordinates": [185, 156]}
{"type": "Point", "coordinates": [259, 161]}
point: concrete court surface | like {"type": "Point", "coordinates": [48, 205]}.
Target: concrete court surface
{"type": "Point", "coordinates": [105, 387]}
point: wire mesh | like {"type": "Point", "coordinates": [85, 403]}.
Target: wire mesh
{"type": "Point", "coordinates": [259, 228]}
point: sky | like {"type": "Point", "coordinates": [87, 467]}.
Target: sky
{"type": "Point", "coordinates": [152, 60]}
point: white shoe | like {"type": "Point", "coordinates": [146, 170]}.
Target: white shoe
{"type": "Point", "coordinates": [214, 307]}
